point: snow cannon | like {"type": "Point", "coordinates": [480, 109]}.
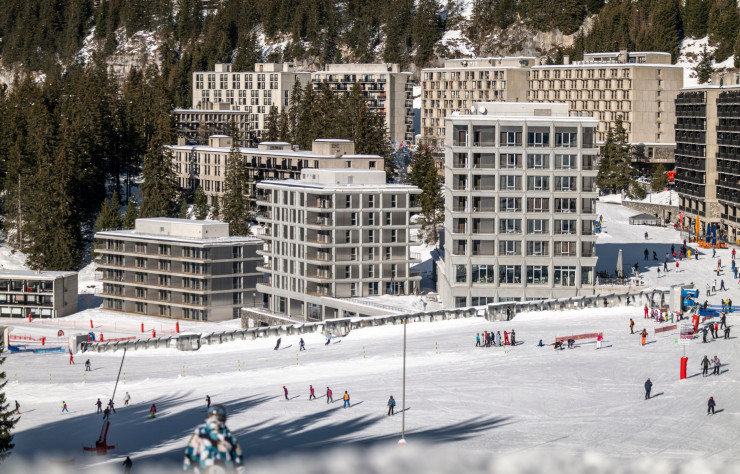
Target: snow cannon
{"type": "Point", "coordinates": [688, 298]}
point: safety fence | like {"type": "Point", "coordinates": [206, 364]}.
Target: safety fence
{"type": "Point", "coordinates": [343, 326]}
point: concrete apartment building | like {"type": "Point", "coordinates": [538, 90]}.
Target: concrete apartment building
{"type": "Point", "coordinates": [206, 165]}
{"type": "Point", "coordinates": [387, 89]}
{"type": "Point", "coordinates": [333, 235]}
{"type": "Point", "coordinates": [708, 155]}
{"type": "Point", "coordinates": [520, 195]}
{"type": "Point", "coordinates": [38, 294]}
{"type": "Point", "coordinates": [221, 96]}
{"type": "Point", "coordinates": [455, 87]}
{"type": "Point", "coordinates": [641, 87]}
{"type": "Point", "coordinates": [178, 269]}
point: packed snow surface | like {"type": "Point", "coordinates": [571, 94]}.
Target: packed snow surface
{"type": "Point", "coordinates": [467, 407]}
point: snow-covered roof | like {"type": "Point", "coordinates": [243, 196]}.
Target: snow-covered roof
{"type": "Point", "coordinates": [132, 234]}
{"type": "Point", "coordinates": [42, 275]}
{"type": "Point", "coordinates": [257, 151]}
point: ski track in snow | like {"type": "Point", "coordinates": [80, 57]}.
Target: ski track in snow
{"type": "Point", "coordinates": [522, 404]}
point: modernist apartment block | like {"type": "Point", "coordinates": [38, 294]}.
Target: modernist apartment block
{"type": "Point", "coordinates": [253, 93]}
{"type": "Point", "coordinates": [205, 166]}
{"type": "Point", "coordinates": [641, 87]}
{"type": "Point", "coordinates": [196, 126]}
{"type": "Point", "coordinates": [178, 269]}
{"type": "Point", "coordinates": [335, 234]}
{"type": "Point", "coordinates": [708, 155]}
{"type": "Point", "coordinates": [387, 89]}
{"type": "Point", "coordinates": [520, 194]}
{"type": "Point", "coordinates": [455, 87]}
{"type": "Point", "coordinates": [25, 293]}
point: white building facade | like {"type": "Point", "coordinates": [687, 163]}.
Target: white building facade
{"type": "Point", "coordinates": [520, 195]}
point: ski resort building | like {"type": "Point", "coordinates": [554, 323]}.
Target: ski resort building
{"type": "Point", "coordinates": [520, 196]}
{"type": "Point", "coordinates": [178, 269]}
{"type": "Point", "coordinates": [334, 235]}
{"type": "Point", "coordinates": [220, 96]}
{"type": "Point", "coordinates": [25, 293]}
{"type": "Point", "coordinates": [708, 156]}
{"type": "Point", "coordinates": [205, 166]}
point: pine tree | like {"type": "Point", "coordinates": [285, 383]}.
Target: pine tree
{"type": "Point", "coordinates": [272, 129]}
{"type": "Point", "coordinates": [200, 204]}
{"type": "Point", "coordinates": [722, 25]}
{"type": "Point", "coordinates": [615, 167]}
{"type": "Point", "coordinates": [660, 179]}
{"type": "Point", "coordinates": [110, 214]}
{"type": "Point", "coordinates": [424, 176]}
{"type": "Point", "coordinates": [8, 419]}
{"type": "Point", "coordinates": [694, 16]}
{"type": "Point", "coordinates": [247, 54]}
{"type": "Point", "coordinates": [159, 190]}
{"type": "Point", "coordinates": [216, 208]}
{"type": "Point", "coordinates": [426, 31]}
{"type": "Point", "coordinates": [235, 205]}
{"type": "Point", "coordinates": [184, 214]}
{"type": "Point", "coordinates": [132, 213]}
{"type": "Point", "coordinates": [704, 68]}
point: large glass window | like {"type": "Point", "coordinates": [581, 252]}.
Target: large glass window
{"type": "Point", "coordinates": [537, 248]}
{"type": "Point", "coordinates": [510, 183]}
{"type": "Point", "coordinates": [509, 247]}
{"type": "Point", "coordinates": [565, 183]}
{"type": "Point", "coordinates": [538, 138]}
{"type": "Point", "coordinates": [508, 274]}
{"type": "Point", "coordinates": [538, 226]}
{"type": "Point", "coordinates": [564, 276]}
{"type": "Point", "coordinates": [461, 273]}
{"type": "Point", "coordinates": [538, 161]}
{"type": "Point", "coordinates": [565, 139]}
{"type": "Point", "coordinates": [510, 205]}
{"type": "Point", "coordinates": [510, 226]}
{"type": "Point", "coordinates": [565, 249]}
{"type": "Point", "coordinates": [587, 275]}
{"type": "Point", "coordinates": [566, 162]}
{"type": "Point", "coordinates": [510, 161]}
{"type": "Point", "coordinates": [483, 274]}
{"type": "Point", "coordinates": [538, 204]}
{"type": "Point", "coordinates": [538, 183]}
{"type": "Point", "coordinates": [484, 136]}
{"type": "Point", "coordinates": [565, 227]}
{"type": "Point", "coordinates": [511, 138]}
{"type": "Point", "coordinates": [537, 275]}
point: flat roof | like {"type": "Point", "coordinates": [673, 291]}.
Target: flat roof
{"type": "Point", "coordinates": [296, 183]}
{"type": "Point", "coordinates": [131, 234]}
{"type": "Point", "coordinates": [43, 275]}
{"type": "Point", "coordinates": [523, 118]}
{"type": "Point", "coordinates": [471, 68]}
{"type": "Point", "coordinates": [612, 53]}
{"type": "Point", "coordinates": [577, 64]}
{"type": "Point", "coordinates": [700, 87]}
{"type": "Point", "coordinates": [257, 151]}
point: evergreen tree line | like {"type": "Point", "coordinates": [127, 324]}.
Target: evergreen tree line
{"type": "Point", "coordinates": [660, 25]}
{"type": "Point", "coordinates": [615, 174]}
{"type": "Point", "coordinates": [325, 114]}
{"type": "Point", "coordinates": [64, 144]}
{"type": "Point", "coordinates": [424, 176]}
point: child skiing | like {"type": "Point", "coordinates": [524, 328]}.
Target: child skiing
{"type": "Point", "coordinates": [312, 396]}
{"type": "Point", "coordinates": [632, 326]}
{"type": "Point", "coordinates": [87, 365]}
{"type": "Point", "coordinates": [644, 336]}
{"type": "Point", "coordinates": [711, 405]}
{"type": "Point", "coordinates": [153, 411]}
{"type": "Point", "coordinates": [302, 345]}
{"type": "Point", "coordinates": [99, 404]}
{"type": "Point", "coordinates": [599, 338]}
{"type": "Point", "coordinates": [64, 407]}
{"type": "Point", "coordinates": [126, 399]}
{"type": "Point", "coordinates": [277, 346]}
{"type": "Point", "coordinates": [648, 387]}
{"type": "Point", "coordinates": [477, 340]}
{"type": "Point", "coordinates": [286, 392]}
{"type": "Point", "coordinates": [329, 398]}
{"type": "Point", "coordinates": [346, 400]}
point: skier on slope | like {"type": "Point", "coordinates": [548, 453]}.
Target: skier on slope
{"type": "Point", "coordinates": [312, 396]}
{"type": "Point", "coordinates": [477, 340]}
{"type": "Point", "coordinates": [329, 397]}
{"type": "Point", "coordinates": [513, 338]}
{"type": "Point", "coordinates": [277, 346]}
{"type": "Point", "coordinates": [646, 311]}
{"type": "Point", "coordinates": [498, 338]}
{"type": "Point", "coordinates": [64, 407]}
{"type": "Point", "coordinates": [17, 408]}
{"type": "Point", "coordinates": [506, 338]}
{"type": "Point", "coordinates": [648, 387]}
{"type": "Point", "coordinates": [99, 404]}
{"type": "Point", "coordinates": [704, 334]}
{"type": "Point", "coordinates": [301, 345]}
{"type": "Point", "coordinates": [705, 366]}
{"type": "Point", "coordinates": [644, 336]}
{"type": "Point", "coordinates": [632, 326]}
{"type": "Point", "coordinates": [391, 406]}
{"type": "Point", "coordinates": [212, 448]}
{"type": "Point", "coordinates": [153, 411]}
{"type": "Point", "coordinates": [328, 339]}
{"type": "Point", "coordinates": [717, 365]}
{"type": "Point", "coordinates": [710, 405]}
{"type": "Point", "coordinates": [286, 392]}
{"type": "Point", "coordinates": [110, 405]}
{"type": "Point", "coordinates": [126, 399]}
{"type": "Point", "coordinates": [208, 402]}
{"type": "Point", "coordinates": [87, 366]}
{"type": "Point", "coordinates": [346, 400]}
{"type": "Point", "coordinates": [106, 413]}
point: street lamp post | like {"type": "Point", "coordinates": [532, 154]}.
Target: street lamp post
{"type": "Point", "coordinates": [402, 441]}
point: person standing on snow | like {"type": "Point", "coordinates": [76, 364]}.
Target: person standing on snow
{"type": "Point", "coordinates": [391, 406]}
{"type": "Point", "coordinates": [704, 334]}
{"type": "Point", "coordinates": [727, 332]}
{"type": "Point", "coordinates": [208, 402]}
{"type": "Point", "coordinates": [329, 397]}
{"type": "Point", "coordinates": [632, 326]}
{"type": "Point", "coordinates": [212, 447]}
{"type": "Point", "coordinates": [71, 358]}
{"type": "Point", "coordinates": [599, 338]}
{"type": "Point", "coordinates": [99, 404]}
{"type": "Point", "coordinates": [477, 340]}
{"type": "Point", "coordinates": [64, 407]}
{"type": "Point", "coordinates": [709, 290]}
{"type": "Point", "coordinates": [87, 366]}
{"type": "Point", "coordinates": [646, 253]}
{"type": "Point", "coordinates": [277, 346]}
{"type": "Point", "coordinates": [714, 286]}
{"type": "Point", "coordinates": [127, 463]}
{"type": "Point", "coordinates": [328, 339]}
{"type": "Point", "coordinates": [498, 338]}
{"type": "Point", "coordinates": [717, 365]}
{"type": "Point", "coordinates": [106, 413]}
{"type": "Point", "coordinates": [110, 405]}
{"type": "Point", "coordinates": [346, 400]}
{"type": "Point", "coordinates": [513, 338]}
{"type": "Point", "coordinates": [646, 311]}
{"type": "Point", "coordinates": [312, 396]}
{"type": "Point", "coordinates": [711, 405]}
{"type": "Point", "coordinates": [648, 387]}
{"type": "Point", "coordinates": [153, 411]}
{"type": "Point", "coordinates": [301, 345]}
{"type": "Point", "coordinates": [722, 285]}
{"type": "Point", "coordinates": [644, 336]}
{"type": "Point", "coordinates": [705, 366]}
{"type": "Point", "coordinates": [286, 392]}
{"type": "Point", "coordinates": [506, 338]}
{"type": "Point", "coordinates": [723, 319]}
{"type": "Point", "coordinates": [17, 408]}
{"type": "Point", "coordinates": [126, 399]}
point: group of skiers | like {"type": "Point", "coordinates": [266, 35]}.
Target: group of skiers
{"type": "Point", "coordinates": [312, 395]}
{"type": "Point", "coordinates": [488, 339]}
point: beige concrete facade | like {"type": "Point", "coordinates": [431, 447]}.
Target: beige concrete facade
{"type": "Point", "coordinates": [333, 235]}
{"type": "Point", "coordinates": [25, 293]}
{"type": "Point", "coordinates": [178, 269]}
{"type": "Point", "coordinates": [387, 89]}
{"type": "Point", "coordinates": [520, 194]}
{"type": "Point", "coordinates": [205, 166]}
{"type": "Point", "coordinates": [640, 87]}
{"type": "Point", "coordinates": [455, 87]}
{"type": "Point", "coordinates": [251, 94]}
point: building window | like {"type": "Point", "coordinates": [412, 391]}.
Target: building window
{"type": "Point", "coordinates": [537, 248]}
{"type": "Point", "coordinates": [509, 247]}
{"type": "Point", "coordinates": [509, 274]}
{"type": "Point", "coordinates": [461, 273]}
{"type": "Point", "coordinates": [483, 274]}
{"type": "Point", "coordinates": [537, 226]}
{"type": "Point", "coordinates": [565, 276]}
{"type": "Point", "coordinates": [537, 275]}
